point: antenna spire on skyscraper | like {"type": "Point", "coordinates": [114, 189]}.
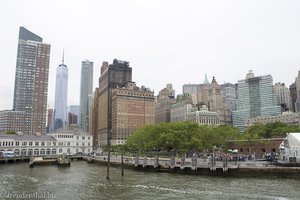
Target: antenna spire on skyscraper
{"type": "Point", "coordinates": [63, 57]}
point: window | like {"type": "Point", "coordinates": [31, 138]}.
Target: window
{"type": "Point", "coordinates": [60, 150]}
{"type": "Point", "coordinates": [77, 143]}
{"type": "Point", "coordinates": [83, 138]}
{"type": "Point", "coordinates": [24, 143]}
{"type": "Point", "coordinates": [36, 143]}
{"type": "Point", "coordinates": [17, 143]}
{"type": "Point", "coordinates": [77, 137]}
{"type": "Point", "coordinates": [54, 143]}
{"type": "Point", "coordinates": [30, 143]}
{"type": "Point", "coordinates": [42, 143]}
{"type": "Point", "coordinates": [83, 144]}
{"type": "Point", "coordinates": [68, 144]}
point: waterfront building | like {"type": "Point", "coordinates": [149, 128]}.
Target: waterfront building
{"type": "Point", "coordinates": [255, 98]}
{"type": "Point", "coordinates": [283, 96]}
{"type": "Point", "coordinates": [164, 100]}
{"type": "Point", "coordinates": [180, 109]}
{"type": "Point", "coordinates": [112, 76]}
{"type": "Point", "coordinates": [290, 149]}
{"type": "Point", "coordinates": [132, 108]}
{"type": "Point", "coordinates": [62, 141]}
{"type": "Point", "coordinates": [17, 121]}
{"type": "Point", "coordinates": [86, 92]}
{"type": "Point", "coordinates": [31, 79]}
{"type": "Point", "coordinates": [49, 120]}
{"type": "Point", "coordinates": [204, 117]}
{"type": "Point", "coordinates": [61, 96]}
{"type": "Point", "coordinates": [293, 94]}
{"type": "Point", "coordinates": [289, 118]}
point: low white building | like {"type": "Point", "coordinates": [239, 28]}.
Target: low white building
{"type": "Point", "coordinates": [290, 149]}
{"type": "Point", "coordinates": [63, 141]}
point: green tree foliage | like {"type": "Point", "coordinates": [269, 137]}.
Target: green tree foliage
{"type": "Point", "coordinates": [179, 137]}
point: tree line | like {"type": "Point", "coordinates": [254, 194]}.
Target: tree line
{"type": "Point", "coordinates": [182, 137]}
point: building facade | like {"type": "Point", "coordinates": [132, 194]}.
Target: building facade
{"type": "Point", "coordinates": [63, 141]}
{"type": "Point", "coordinates": [86, 92]}
{"type": "Point", "coordinates": [283, 96]}
{"type": "Point", "coordinates": [132, 108]}
{"type": "Point", "coordinates": [289, 118]}
{"type": "Point", "coordinates": [255, 98]}
{"type": "Point", "coordinates": [228, 91]}
{"type": "Point", "coordinates": [180, 109]}
{"type": "Point", "coordinates": [31, 79]}
{"type": "Point", "coordinates": [165, 99]}
{"type": "Point", "coordinates": [61, 97]}
{"type": "Point", "coordinates": [112, 76]}
{"type": "Point", "coordinates": [17, 121]}
{"type": "Point", "coordinates": [293, 94]}
{"type": "Point", "coordinates": [204, 117]}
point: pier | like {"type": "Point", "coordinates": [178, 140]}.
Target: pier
{"type": "Point", "coordinates": [198, 166]}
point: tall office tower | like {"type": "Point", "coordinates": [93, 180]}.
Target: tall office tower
{"type": "Point", "coordinates": [255, 98]}
{"type": "Point", "coordinates": [283, 96]}
{"type": "Point", "coordinates": [132, 108]}
{"type": "Point", "coordinates": [293, 93]}
{"type": "Point", "coordinates": [86, 93]}
{"type": "Point", "coordinates": [165, 98]}
{"type": "Point", "coordinates": [228, 96]}
{"type": "Point", "coordinates": [192, 90]}
{"type": "Point", "coordinates": [214, 96]}
{"type": "Point", "coordinates": [112, 76]}
{"type": "Point", "coordinates": [31, 80]}
{"type": "Point", "coordinates": [61, 96]}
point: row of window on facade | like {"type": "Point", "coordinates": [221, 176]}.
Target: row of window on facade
{"type": "Point", "coordinates": [71, 136]}
{"type": "Point", "coordinates": [37, 152]}
{"type": "Point", "coordinates": [11, 143]}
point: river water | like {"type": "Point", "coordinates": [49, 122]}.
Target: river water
{"type": "Point", "coordinates": [88, 181]}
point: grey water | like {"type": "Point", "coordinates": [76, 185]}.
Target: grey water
{"type": "Point", "coordinates": [88, 181]}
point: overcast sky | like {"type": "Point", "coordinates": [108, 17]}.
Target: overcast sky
{"type": "Point", "coordinates": [165, 41]}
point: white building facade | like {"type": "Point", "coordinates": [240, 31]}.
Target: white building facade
{"type": "Point", "coordinates": [63, 141]}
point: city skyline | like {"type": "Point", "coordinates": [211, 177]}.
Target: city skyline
{"type": "Point", "coordinates": [178, 45]}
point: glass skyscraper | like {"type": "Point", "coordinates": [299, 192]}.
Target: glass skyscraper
{"type": "Point", "coordinates": [61, 97]}
{"type": "Point", "coordinates": [86, 93]}
{"type": "Point", "coordinates": [255, 98]}
{"type": "Point", "coordinates": [31, 80]}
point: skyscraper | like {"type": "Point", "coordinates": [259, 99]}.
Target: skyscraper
{"type": "Point", "coordinates": [255, 98]}
{"type": "Point", "coordinates": [31, 80]}
{"type": "Point", "coordinates": [112, 76]}
{"type": "Point", "coordinates": [61, 96]}
{"type": "Point", "coordinates": [86, 93]}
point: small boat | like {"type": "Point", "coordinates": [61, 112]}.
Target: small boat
{"type": "Point", "coordinates": [34, 161]}
{"type": "Point", "coordinates": [63, 162]}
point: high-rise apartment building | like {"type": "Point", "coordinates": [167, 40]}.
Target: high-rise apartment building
{"type": "Point", "coordinates": [61, 97]}
{"type": "Point", "coordinates": [17, 121]}
{"type": "Point", "coordinates": [132, 108]}
{"type": "Point", "coordinates": [112, 76]}
{"type": "Point", "coordinates": [255, 98]}
{"type": "Point", "coordinates": [86, 93]}
{"type": "Point", "coordinates": [31, 79]}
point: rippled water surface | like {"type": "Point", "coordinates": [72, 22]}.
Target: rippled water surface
{"type": "Point", "coordinates": [87, 181]}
